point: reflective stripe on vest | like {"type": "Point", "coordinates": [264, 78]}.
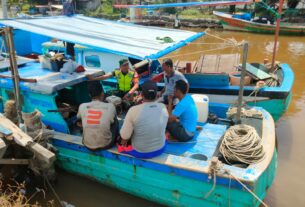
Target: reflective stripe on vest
{"type": "Point", "coordinates": [124, 81]}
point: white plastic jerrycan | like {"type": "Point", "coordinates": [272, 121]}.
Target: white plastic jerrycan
{"type": "Point", "coordinates": [202, 104]}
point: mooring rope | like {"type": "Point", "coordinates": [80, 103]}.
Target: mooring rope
{"type": "Point", "coordinates": [215, 167]}
{"type": "Point", "coordinates": [197, 52]}
{"type": "Point", "coordinates": [53, 190]}
{"type": "Point", "coordinates": [244, 186]}
{"type": "Point", "coordinates": [241, 143]}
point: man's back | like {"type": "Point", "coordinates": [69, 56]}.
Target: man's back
{"type": "Point", "coordinates": [146, 123]}
{"type": "Point", "coordinates": [96, 118]}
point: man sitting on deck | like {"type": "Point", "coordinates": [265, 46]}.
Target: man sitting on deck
{"type": "Point", "coordinates": [183, 119]}
{"type": "Point", "coordinates": [171, 76]}
{"type": "Point", "coordinates": [99, 121]}
{"type": "Point", "coordinates": [145, 126]}
{"type": "Point", "coordinates": [128, 80]}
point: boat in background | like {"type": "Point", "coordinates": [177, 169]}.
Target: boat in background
{"type": "Point", "coordinates": [229, 22]}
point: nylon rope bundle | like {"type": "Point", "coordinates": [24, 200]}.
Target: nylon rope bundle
{"type": "Point", "coordinates": [241, 143]}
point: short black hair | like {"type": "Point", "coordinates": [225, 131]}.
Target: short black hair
{"type": "Point", "coordinates": [95, 88]}
{"type": "Point", "coordinates": [182, 86]}
{"type": "Point", "coordinates": [149, 90]}
{"type": "Point", "coordinates": [168, 62]}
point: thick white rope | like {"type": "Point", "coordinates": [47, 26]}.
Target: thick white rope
{"type": "Point", "coordinates": [241, 143]}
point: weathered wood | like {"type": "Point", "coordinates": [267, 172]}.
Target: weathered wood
{"type": "Point", "coordinates": [2, 148]}
{"type": "Point", "coordinates": [28, 80]}
{"type": "Point", "coordinates": [224, 63]}
{"type": "Point", "coordinates": [25, 140]}
{"type": "Point", "coordinates": [14, 161]}
{"type": "Point", "coordinates": [181, 65]}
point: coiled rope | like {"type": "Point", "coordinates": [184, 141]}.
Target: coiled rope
{"type": "Point", "coordinates": [241, 143]}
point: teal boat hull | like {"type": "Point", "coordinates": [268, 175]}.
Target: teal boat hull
{"type": "Point", "coordinates": [165, 188]}
{"type": "Point", "coordinates": [276, 107]}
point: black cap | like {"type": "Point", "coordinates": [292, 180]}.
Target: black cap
{"type": "Point", "coordinates": [95, 88]}
{"type": "Point", "coordinates": [149, 90]}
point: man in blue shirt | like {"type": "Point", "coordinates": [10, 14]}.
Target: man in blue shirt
{"type": "Point", "coordinates": [182, 120]}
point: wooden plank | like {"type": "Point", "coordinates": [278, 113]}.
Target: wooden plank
{"type": "Point", "coordinates": [198, 68]}
{"type": "Point", "coordinates": [209, 64]}
{"type": "Point", "coordinates": [14, 161]}
{"type": "Point", "coordinates": [25, 140]}
{"type": "Point", "coordinates": [4, 132]}
{"type": "Point", "coordinates": [181, 64]}
{"type": "Point", "coordinates": [224, 63]}
{"type": "Point", "coordinates": [228, 63]}
{"type": "Point", "coordinates": [2, 148]}
{"type": "Point", "coordinates": [257, 73]}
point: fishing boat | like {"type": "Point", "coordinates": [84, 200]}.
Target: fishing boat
{"type": "Point", "coordinates": [187, 174]}
{"type": "Point", "coordinates": [100, 44]}
{"type": "Point", "coordinates": [229, 22]}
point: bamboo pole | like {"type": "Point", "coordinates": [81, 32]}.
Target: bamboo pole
{"type": "Point", "coordinates": [277, 31]}
{"type": "Point", "coordinates": [14, 70]}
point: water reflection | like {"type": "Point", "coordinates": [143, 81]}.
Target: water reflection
{"type": "Point", "coordinates": [296, 48]}
{"type": "Point", "coordinates": [270, 46]}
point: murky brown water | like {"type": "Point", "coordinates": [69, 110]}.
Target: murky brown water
{"type": "Point", "coordinates": [289, 186]}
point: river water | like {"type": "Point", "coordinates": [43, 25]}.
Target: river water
{"type": "Point", "coordinates": [288, 188]}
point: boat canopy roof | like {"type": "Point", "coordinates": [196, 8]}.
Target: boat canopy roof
{"type": "Point", "coordinates": [140, 42]}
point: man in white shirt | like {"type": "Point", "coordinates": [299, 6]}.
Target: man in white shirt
{"type": "Point", "coordinates": [171, 76]}
{"type": "Point", "coordinates": [145, 126]}
{"type": "Point", "coordinates": [99, 121]}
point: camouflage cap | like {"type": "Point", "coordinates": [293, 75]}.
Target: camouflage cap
{"type": "Point", "coordinates": [123, 62]}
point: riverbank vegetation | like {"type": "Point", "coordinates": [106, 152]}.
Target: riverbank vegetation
{"type": "Point", "coordinates": [15, 196]}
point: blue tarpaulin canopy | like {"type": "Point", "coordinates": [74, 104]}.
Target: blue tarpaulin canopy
{"type": "Point", "coordinates": [119, 38]}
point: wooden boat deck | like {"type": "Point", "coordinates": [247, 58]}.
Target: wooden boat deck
{"type": "Point", "coordinates": [222, 63]}
{"type": "Point", "coordinates": [204, 143]}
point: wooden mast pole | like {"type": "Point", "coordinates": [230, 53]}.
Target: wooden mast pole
{"type": "Point", "coordinates": [277, 31]}
{"type": "Point", "coordinates": [14, 70]}
{"type": "Point", "coordinates": [242, 81]}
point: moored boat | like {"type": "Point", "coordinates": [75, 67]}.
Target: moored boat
{"type": "Point", "coordinates": [230, 23]}
{"type": "Point", "coordinates": [183, 176]}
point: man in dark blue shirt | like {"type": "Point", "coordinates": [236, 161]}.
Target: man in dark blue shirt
{"type": "Point", "coordinates": [183, 119]}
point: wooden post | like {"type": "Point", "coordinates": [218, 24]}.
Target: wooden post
{"type": "Point", "coordinates": [24, 140]}
{"type": "Point", "coordinates": [4, 9]}
{"type": "Point", "coordinates": [14, 70]}
{"type": "Point", "coordinates": [242, 81]}
{"type": "Point", "coordinates": [277, 31]}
